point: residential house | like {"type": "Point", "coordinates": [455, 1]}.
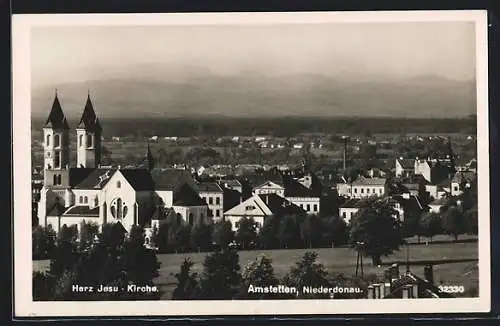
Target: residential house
{"type": "Point", "coordinates": [364, 187]}
{"type": "Point", "coordinates": [349, 209]}
{"type": "Point", "coordinates": [461, 181]}
{"type": "Point", "coordinates": [407, 204]}
{"type": "Point", "coordinates": [270, 187]}
{"type": "Point", "coordinates": [213, 195]}
{"type": "Point", "coordinates": [436, 205]}
{"type": "Point", "coordinates": [405, 167]}
{"type": "Point", "coordinates": [259, 207]}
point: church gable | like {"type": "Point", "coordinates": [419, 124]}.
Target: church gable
{"type": "Point", "coordinates": [117, 183]}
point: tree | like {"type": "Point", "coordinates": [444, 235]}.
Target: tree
{"type": "Point", "coordinates": [223, 234]}
{"type": "Point", "coordinates": [246, 234]}
{"type": "Point", "coordinates": [221, 277]}
{"type": "Point", "coordinates": [377, 229]}
{"type": "Point", "coordinates": [43, 242]}
{"type": "Point", "coordinates": [88, 232]}
{"type": "Point", "coordinates": [430, 225]}
{"type": "Point", "coordinates": [309, 230]}
{"type": "Point", "coordinates": [139, 263]}
{"type": "Point", "coordinates": [201, 236]}
{"type": "Point", "coordinates": [454, 222]}
{"type": "Point", "coordinates": [288, 231]}
{"type": "Point", "coordinates": [336, 231]}
{"type": "Point", "coordinates": [187, 283]}
{"type": "Point", "coordinates": [472, 220]}
{"type": "Point", "coordinates": [411, 224]}
{"type": "Point", "coordinates": [307, 273]}
{"type": "Point", "coordinates": [258, 273]}
{"type": "Point", "coordinates": [267, 237]}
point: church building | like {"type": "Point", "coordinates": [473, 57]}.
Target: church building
{"type": "Point", "coordinates": [87, 191]}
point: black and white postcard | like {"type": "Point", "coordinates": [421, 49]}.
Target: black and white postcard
{"type": "Point", "coordinates": [251, 163]}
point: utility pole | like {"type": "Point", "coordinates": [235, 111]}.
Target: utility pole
{"type": "Point", "coordinates": [359, 258]}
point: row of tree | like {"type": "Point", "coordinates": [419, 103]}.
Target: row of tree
{"type": "Point", "coordinates": [287, 231]}
{"type": "Point", "coordinates": [107, 260]}
{"type": "Point", "coordinates": [223, 279]}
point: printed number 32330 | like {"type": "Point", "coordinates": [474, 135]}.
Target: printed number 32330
{"type": "Point", "coordinates": [452, 288]}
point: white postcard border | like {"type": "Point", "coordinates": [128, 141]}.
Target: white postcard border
{"type": "Point", "coordinates": [24, 306]}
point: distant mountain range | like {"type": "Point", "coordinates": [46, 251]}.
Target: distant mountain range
{"type": "Point", "coordinates": [256, 95]}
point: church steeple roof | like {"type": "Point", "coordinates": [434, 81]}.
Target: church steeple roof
{"type": "Point", "coordinates": [56, 118]}
{"type": "Point", "coordinates": [89, 119]}
{"type": "Point", "coordinates": [149, 161]}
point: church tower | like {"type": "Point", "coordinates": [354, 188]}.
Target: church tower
{"type": "Point", "coordinates": [88, 135]}
{"type": "Point", "coordinates": [55, 144]}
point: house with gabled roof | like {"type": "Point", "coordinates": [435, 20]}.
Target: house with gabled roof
{"type": "Point", "coordinates": [259, 207]}
{"type": "Point", "coordinates": [404, 167]}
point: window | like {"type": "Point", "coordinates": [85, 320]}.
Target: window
{"type": "Point", "coordinates": [80, 199]}
{"type": "Point", "coordinates": [89, 141]}
{"type": "Point", "coordinates": [191, 219]}
{"type": "Point", "coordinates": [57, 140]}
{"type": "Point", "coordinates": [368, 190]}
{"type": "Point", "coordinates": [315, 207]}
{"type": "Point", "coordinates": [362, 190]}
{"type": "Point", "coordinates": [302, 206]}
{"type": "Point", "coordinates": [349, 190]}
{"type": "Point", "coordinates": [344, 215]}
{"type": "Point", "coordinates": [48, 140]}
{"type": "Point", "coordinates": [355, 190]}
{"type": "Point", "coordinates": [217, 213]}
{"type": "Point", "coordinates": [217, 201]}
{"type": "Point", "coordinates": [96, 201]}
{"type": "Point", "coordinates": [80, 141]}
{"type": "Point", "coordinates": [380, 191]}
{"type": "Point", "coordinates": [59, 181]}
{"type": "Point", "coordinates": [57, 160]}
{"type": "Point", "coordinates": [85, 200]}
{"type": "Point", "coordinates": [210, 200]}
{"type": "Point", "coordinates": [54, 179]}
{"type": "Point", "coordinates": [374, 190]}
{"type": "Point", "coordinates": [204, 199]}
{"type": "Point", "coordinates": [118, 184]}
{"type": "Point", "coordinates": [119, 209]}
{"type": "Point", "coordinates": [308, 207]}
{"type": "Point", "coordinates": [455, 188]}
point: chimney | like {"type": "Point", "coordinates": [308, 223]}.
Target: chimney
{"type": "Point", "coordinates": [414, 290]}
{"type": "Point", "coordinates": [371, 292]}
{"type": "Point", "coordinates": [378, 290]}
{"type": "Point", "coordinates": [406, 292]}
{"type": "Point", "coordinates": [428, 274]}
{"type": "Point", "coordinates": [387, 289]}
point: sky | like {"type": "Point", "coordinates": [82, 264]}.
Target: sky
{"type": "Point", "coordinates": [344, 50]}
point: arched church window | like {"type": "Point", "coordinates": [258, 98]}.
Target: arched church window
{"type": "Point", "coordinates": [57, 140]}
{"type": "Point", "coordinates": [48, 140]}
{"type": "Point", "coordinates": [119, 208]}
{"type": "Point", "coordinates": [59, 179]}
{"type": "Point", "coordinates": [54, 179]}
{"type": "Point", "coordinates": [80, 141]}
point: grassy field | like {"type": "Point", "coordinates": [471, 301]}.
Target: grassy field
{"type": "Point", "coordinates": [454, 263]}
